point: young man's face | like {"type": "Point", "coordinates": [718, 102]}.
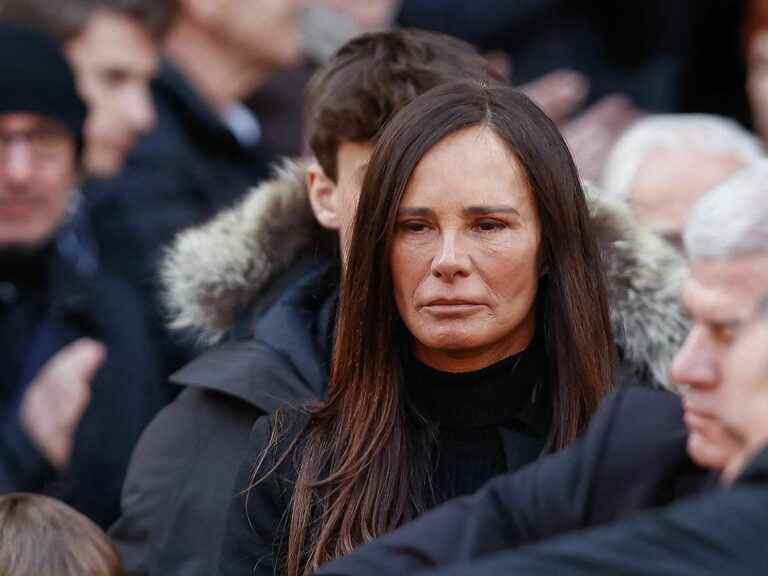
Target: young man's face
{"type": "Point", "coordinates": [720, 295]}
{"type": "Point", "coordinates": [335, 203]}
{"type": "Point", "coordinates": [114, 60]}
{"type": "Point", "coordinates": [38, 176]}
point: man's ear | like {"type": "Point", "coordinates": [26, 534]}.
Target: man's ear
{"type": "Point", "coordinates": [323, 197]}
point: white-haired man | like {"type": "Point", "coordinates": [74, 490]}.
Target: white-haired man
{"type": "Point", "coordinates": [664, 163]}
{"type": "Point", "coordinates": [578, 511]}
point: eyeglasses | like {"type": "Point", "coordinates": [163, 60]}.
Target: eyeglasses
{"type": "Point", "coordinates": [46, 142]}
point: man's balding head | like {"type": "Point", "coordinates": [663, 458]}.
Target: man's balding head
{"type": "Point", "coordinates": [665, 163]}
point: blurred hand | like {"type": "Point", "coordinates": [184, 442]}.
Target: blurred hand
{"type": "Point", "coordinates": [559, 94]}
{"type": "Point", "coordinates": [55, 402]}
{"type": "Point", "coordinates": [592, 134]}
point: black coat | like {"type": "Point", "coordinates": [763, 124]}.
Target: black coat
{"type": "Point", "coordinates": [126, 392]}
{"type": "Point", "coordinates": [722, 532]}
{"type": "Point", "coordinates": [632, 457]}
{"type": "Point", "coordinates": [180, 174]}
{"type": "Point", "coordinates": [180, 481]}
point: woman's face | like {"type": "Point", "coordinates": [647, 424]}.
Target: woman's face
{"type": "Point", "coordinates": [464, 259]}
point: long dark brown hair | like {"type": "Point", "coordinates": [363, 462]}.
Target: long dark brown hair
{"type": "Point", "coordinates": [361, 459]}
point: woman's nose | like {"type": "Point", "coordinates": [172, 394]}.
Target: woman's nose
{"type": "Point", "coordinates": [452, 260]}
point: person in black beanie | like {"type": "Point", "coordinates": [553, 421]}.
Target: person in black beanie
{"type": "Point", "coordinates": [66, 425]}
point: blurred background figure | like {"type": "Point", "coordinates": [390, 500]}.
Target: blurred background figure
{"type": "Point", "coordinates": [41, 123]}
{"type": "Point", "coordinates": [81, 376]}
{"type": "Point", "coordinates": [206, 148]}
{"type": "Point", "coordinates": [40, 535]}
{"type": "Point", "coordinates": [113, 46]}
{"type": "Point", "coordinates": [664, 163]}
{"type": "Point", "coordinates": [657, 53]}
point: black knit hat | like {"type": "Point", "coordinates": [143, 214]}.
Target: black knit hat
{"type": "Point", "coordinates": [35, 77]}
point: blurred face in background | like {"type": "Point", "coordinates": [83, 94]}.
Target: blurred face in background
{"type": "Point", "coordinates": [114, 60]}
{"type": "Point", "coordinates": [266, 32]}
{"type": "Point", "coordinates": [670, 182]}
{"type": "Point", "coordinates": [464, 259]}
{"type": "Point", "coordinates": [720, 295]}
{"type": "Point", "coordinates": [38, 177]}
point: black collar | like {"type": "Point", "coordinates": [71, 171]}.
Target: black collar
{"type": "Point", "coordinates": [512, 392]}
{"type": "Point", "coordinates": [198, 116]}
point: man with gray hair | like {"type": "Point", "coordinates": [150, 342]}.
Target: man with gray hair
{"type": "Point", "coordinates": [664, 163]}
{"type": "Point", "coordinates": [726, 240]}
{"type": "Point", "coordinates": [578, 511]}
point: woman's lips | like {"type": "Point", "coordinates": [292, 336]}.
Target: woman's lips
{"type": "Point", "coordinates": [445, 307]}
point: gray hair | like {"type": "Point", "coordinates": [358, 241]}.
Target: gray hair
{"type": "Point", "coordinates": [731, 220]}
{"type": "Point", "coordinates": [701, 132]}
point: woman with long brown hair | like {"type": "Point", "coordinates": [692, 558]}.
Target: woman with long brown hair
{"type": "Point", "coordinates": [472, 334]}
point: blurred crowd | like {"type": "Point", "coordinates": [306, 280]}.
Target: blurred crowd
{"type": "Point", "coordinates": [383, 287]}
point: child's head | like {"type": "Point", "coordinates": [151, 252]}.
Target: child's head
{"type": "Point", "coordinates": [40, 535]}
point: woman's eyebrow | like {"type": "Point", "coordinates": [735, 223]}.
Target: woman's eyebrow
{"type": "Point", "coordinates": [483, 210]}
{"type": "Point", "coordinates": [415, 211]}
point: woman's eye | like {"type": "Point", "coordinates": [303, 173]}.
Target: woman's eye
{"type": "Point", "coordinates": [490, 225]}
{"type": "Point", "coordinates": [413, 227]}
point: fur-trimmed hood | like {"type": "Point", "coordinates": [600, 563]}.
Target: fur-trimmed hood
{"type": "Point", "coordinates": [213, 272]}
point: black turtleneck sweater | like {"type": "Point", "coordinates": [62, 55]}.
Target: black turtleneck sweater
{"type": "Point", "coordinates": [469, 409]}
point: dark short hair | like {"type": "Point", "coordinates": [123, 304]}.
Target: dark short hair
{"type": "Point", "coordinates": [66, 19]}
{"type": "Point", "coordinates": [40, 535]}
{"type": "Point", "coordinates": [372, 77]}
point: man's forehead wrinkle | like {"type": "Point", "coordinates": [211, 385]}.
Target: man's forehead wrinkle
{"type": "Point", "coordinates": [724, 291]}
{"type": "Point", "coordinates": [709, 302]}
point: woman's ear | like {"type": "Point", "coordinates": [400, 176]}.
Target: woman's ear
{"type": "Point", "coordinates": [323, 197]}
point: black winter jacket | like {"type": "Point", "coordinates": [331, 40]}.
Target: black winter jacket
{"type": "Point", "coordinates": [184, 467]}
{"type": "Point", "coordinates": [127, 391]}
